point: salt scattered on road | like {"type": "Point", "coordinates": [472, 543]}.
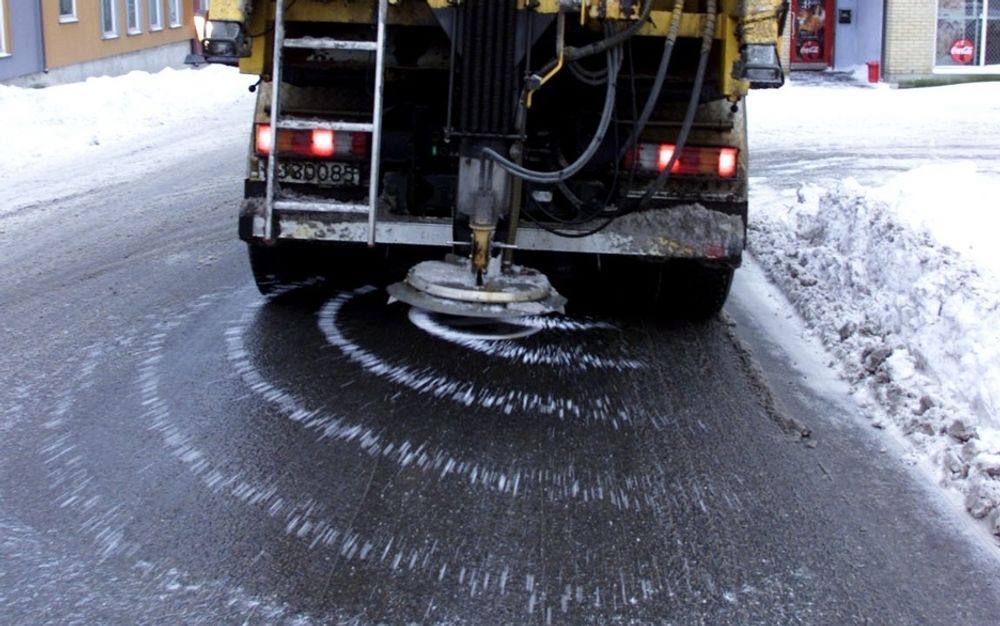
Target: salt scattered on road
{"type": "Point", "coordinates": [898, 278]}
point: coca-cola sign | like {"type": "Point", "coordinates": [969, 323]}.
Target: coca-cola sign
{"type": "Point", "coordinates": [963, 51]}
{"type": "Point", "coordinates": [810, 50]}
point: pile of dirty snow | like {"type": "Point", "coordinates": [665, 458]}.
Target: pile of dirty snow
{"type": "Point", "coordinates": [900, 283]}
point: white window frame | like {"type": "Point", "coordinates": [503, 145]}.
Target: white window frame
{"type": "Point", "coordinates": [981, 67]}
{"type": "Point", "coordinates": [135, 29]}
{"type": "Point", "coordinates": [4, 51]}
{"type": "Point", "coordinates": [155, 15]}
{"type": "Point", "coordinates": [178, 9]}
{"type": "Point", "coordinates": [112, 6]}
{"type": "Point", "coordinates": [68, 18]}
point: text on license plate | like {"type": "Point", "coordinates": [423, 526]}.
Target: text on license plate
{"type": "Point", "coordinates": [319, 173]}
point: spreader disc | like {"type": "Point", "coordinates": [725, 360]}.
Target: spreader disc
{"type": "Point", "coordinates": [455, 281]}
{"type": "Point", "coordinates": [449, 287]}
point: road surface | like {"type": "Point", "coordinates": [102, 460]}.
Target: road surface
{"type": "Point", "coordinates": [175, 449]}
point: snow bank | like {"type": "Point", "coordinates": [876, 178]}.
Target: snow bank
{"type": "Point", "coordinates": [901, 285]}
{"type": "Point", "coordinates": [71, 120]}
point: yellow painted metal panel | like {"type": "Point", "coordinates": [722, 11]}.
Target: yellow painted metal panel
{"type": "Point", "coordinates": [760, 21]}
{"type": "Point", "coordinates": [734, 89]}
{"type": "Point", "coordinates": [411, 12]}
{"type": "Point", "coordinates": [261, 47]}
{"type": "Point", "coordinates": [230, 10]}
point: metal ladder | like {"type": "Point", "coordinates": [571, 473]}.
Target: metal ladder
{"type": "Point", "coordinates": [279, 121]}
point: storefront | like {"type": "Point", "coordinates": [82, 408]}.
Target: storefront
{"type": "Point", "coordinates": [838, 34]}
{"type": "Point", "coordinates": [968, 36]}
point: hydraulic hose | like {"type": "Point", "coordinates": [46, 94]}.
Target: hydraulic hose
{"type": "Point", "coordinates": [708, 36]}
{"type": "Point", "coordinates": [613, 41]}
{"type": "Point", "coordinates": [661, 75]}
{"type": "Point", "coordinates": [706, 48]}
{"type": "Point", "coordinates": [610, 42]}
{"type": "Point", "coordinates": [614, 64]}
{"type": "Point", "coordinates": [588, 77]}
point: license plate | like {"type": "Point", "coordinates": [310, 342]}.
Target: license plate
{"type": "Point", "coordinates": [322, 173]}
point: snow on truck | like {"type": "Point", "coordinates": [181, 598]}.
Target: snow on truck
{"type": "Point", "coordinates": [480, 133]}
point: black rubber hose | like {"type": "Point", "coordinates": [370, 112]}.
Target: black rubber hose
{"type": "Point", "coordinates": [587, 77]}
{"type": "Point", "coordinates": [572, 54]}
{"type": "Point", "coordinates": [608, 43]}
{"type": "Point", "coordinates": [661, 75]}
{"type": "Point", "coordinates": [695, 99]}
{"type": "Point", "coordinates": [687, 124]}
{"type": "Point", "coordinates": [535, 176]}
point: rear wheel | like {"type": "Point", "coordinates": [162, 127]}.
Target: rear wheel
{"type": "Point", "coordinates": [691, 291]}
{"type": "Point", "coordinates": [279, 268]}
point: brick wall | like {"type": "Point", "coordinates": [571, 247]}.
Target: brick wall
{"type": "Point", "coordinates": [909, 38]}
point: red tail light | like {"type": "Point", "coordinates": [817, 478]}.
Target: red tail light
{"type": "Point", "coordinates": [323, 143]}
{"type": "Point", "coordinates": [721, 162]}
{"type": "Point", "coordinates": [727, 162]}
{"type": "Point", "coordinates": [264, 139]}
{"type": "Point", "coordinates": [314, 143]}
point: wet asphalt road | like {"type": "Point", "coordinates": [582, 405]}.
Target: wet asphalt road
{"type": "Point", "coordinates": [174, 449]}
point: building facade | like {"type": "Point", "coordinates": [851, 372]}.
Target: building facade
{"type": "Point", "coordinates": [21, 50]}
{"type": "Point", "coordinates": [87, 37]}
{"type": "Point", "coordinates": [74, 39]}
{"type": "Point", "coordinates": [46, 41]}
{"type": "Point", "coordinates": [908, 38]}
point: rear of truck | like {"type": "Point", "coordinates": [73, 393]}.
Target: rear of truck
{"type": "Point", "coordinates": [492, 131]}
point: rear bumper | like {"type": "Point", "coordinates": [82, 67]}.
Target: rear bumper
{"type": "Point", "coordinates": [689, 231]}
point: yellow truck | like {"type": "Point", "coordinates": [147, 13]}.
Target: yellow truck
{"type": "Point", "coordinates": [472, 135]}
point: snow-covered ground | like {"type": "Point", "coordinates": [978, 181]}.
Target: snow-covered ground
{"type": "Point", "coordinates": [70, 120]}
{"type": "Point", "coordinates": [873, 209]}
{"type": "Point", "coordinates": [66, 139]}
{"type": "Point", "coordinates": [876, 212]}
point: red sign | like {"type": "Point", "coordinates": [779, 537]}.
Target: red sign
{"type": "Point", "coordinates": [812, 32]}
{"type": "Point", "coordinates": [963, 51]}
{"type": "Point", "coordinates": [810, 51]}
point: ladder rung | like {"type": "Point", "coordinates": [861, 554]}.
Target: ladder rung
{"type": "Point", "coordinates": [303, 123]}
{"type": "Point", "coordinates": [326, 43]}
{"type": "Point", "coordinates": [313, 206]}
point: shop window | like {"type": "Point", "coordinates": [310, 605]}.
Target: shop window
{"type": "Point", "coordinates": [968, 33]}
{"type": "Point", "coordinates": [67, 11]}
{"type": "Point", "coordinates": [155, 15]}
{"type": "Point", "coordinates": [109, 19]}
{"type": "Point", "coordinates": [133, 18]}
{"type": "Point", "coordinates": [176, 14]}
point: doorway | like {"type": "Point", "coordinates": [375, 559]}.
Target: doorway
{"type": "Point", "coordinates": [812, 34]}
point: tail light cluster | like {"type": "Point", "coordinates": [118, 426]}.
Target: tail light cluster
{"type": "Point", "coordinates": [317, 143]}
{"type": "Point", "coordinates": [718, 162]}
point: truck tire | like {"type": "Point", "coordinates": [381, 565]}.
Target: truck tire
{"type": "Point", "coordinates": [695, 292]}
{"type": "Point", "coordinates": [278, 269]}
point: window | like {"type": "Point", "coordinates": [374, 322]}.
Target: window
{"type": "Point", "coordinates": [4, 51]}
{"type": "Point", "coordinates": [67, 11]}
{"type": "Point", "coordinates": [134, 17]}
{"type": "Point", "coordinates": [175, 13]}
{"type": "Point", "coordinates": [155, 15]}
{"type": "Point", "coordinates": [109, 19]}
{"type": "Point", "coordinates": [968, 33]}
